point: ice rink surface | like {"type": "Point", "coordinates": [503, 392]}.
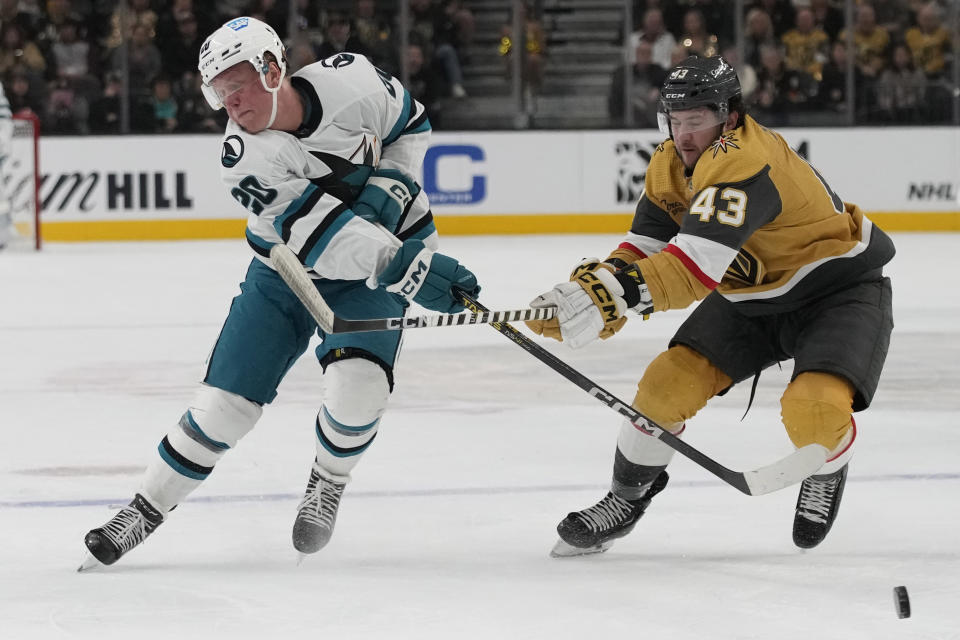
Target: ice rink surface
{"type": "Point", "coordinates": [445, 530]}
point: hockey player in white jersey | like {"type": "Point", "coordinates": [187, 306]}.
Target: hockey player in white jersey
{"type": "Point", "coordinates": [324, 161]}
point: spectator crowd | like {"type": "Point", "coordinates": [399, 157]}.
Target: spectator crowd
{"type": "Point", "coordinates": [795, 57]}
{"type": "Point", "coordinates": [71, 61]}
{"type": "Point", "coordinates": [65, 60]}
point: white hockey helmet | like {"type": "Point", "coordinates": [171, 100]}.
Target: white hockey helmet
{"type": "Point", "coordinates": [242, 39]}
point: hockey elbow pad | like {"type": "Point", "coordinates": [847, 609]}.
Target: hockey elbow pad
{"type": "Point", "coordinates": [386, 197]}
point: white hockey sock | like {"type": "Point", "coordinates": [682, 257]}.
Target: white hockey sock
{"type": "Point", "coordinates": [339, 446]}
{"type": "Point", "coordinates": [640, 448]}
{"type": "Point", "coordinates": [640, 459]}
{"type": "Point", "coordinates": [356, 393]}
{"type": "Point", "coordinates": [842, 453]}
{"type": "Point", "coordinates": [214, 423]}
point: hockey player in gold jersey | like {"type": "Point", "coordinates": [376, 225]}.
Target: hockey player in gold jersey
{"type": "Point", "coordinates": [732, 216]}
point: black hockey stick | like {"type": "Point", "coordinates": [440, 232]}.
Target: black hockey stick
{"type": "Point", "coordinates": [293, 273]}
{"type": "Point", "coordinates": [783, 473]}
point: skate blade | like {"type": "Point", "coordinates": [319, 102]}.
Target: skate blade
{"type": "Point", "coordinates": [564, 550]}
{"type": "Point", "coordinates": [89, 564]}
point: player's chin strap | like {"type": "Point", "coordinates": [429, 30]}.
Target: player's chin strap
{"type": "Point", "coordinates": [273, 91]}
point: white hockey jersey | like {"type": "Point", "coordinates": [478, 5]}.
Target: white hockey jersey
{"type": "Point", "coordinates": [359, 123]}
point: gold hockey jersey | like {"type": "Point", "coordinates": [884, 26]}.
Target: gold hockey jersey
{"type": "Point", "coordinates": [754, 221]}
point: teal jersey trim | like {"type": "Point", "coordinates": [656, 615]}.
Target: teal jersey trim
{"type": "Point", "coordinates": [402, 121]}
{"type": "Point", "coordinates": [258, 244]}
{"type": "Point", "coordinates": [424, 126]}
{"type": "Point", "coordinates": [425, 232]}
{"type": "Point", "coordinates": [321, 245]}
{"type": "Point", "coordinates": [293, 208]}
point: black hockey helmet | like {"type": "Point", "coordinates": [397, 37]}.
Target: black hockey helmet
{"type": "Point", "coordinates": [700, 82]}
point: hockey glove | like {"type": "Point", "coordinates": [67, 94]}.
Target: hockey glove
{"type": "Point", "coordinates": [428, 278]}
{"type": "Point", "coordinates": [592, 304]}
{"type": "Point", "coordinates": [386, 197]}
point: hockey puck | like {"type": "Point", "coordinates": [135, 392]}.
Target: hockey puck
{"type": "Point", "coordinates": [902, 601]}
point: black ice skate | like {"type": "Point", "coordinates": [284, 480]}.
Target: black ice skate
{"type": "Point", "coordinates": [128, 528]}
{"type": "Point", "coordinates": [817, 507]}
{"type": "Point", "coordinates": [317, 512]}
{"type": "Point", "coordinates": [594, 529]}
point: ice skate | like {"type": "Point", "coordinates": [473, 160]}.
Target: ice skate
{"type": "Point", "coordinates": [317, 513]}
{"type": "Point", "coordinates": [817, 507]}
{"type": "Point", "coordinates": [594, 529]}
{"type": "Point", "coordinates": [128, 528]}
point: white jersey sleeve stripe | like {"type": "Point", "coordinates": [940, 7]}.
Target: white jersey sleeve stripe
{"type": "Point", "coordinates": [418, 125]}
{"type": "Point", "coordinates": [296, 210]}
{"type": "Point", "coordinates": [645, 245]}
{"type": "Point", "coordinates": [318, 240]}
{"type": "Point", "coordinates": [260, 246]}
{"type": "Point", "coordinates": [712, 258]}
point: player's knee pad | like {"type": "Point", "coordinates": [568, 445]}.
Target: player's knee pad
{"type": "Point", "coordinates": [213, 424]}
{"type": "Point", "coordinates": [355, 397]}
{"type": "Point", "coordinates": [223, 416]}
{"type": "Point", "coordinates": [356, 391]}
{"type": "Point", "coordinates": [817, 408]}
{"type": "Point", "coordinates": [676, 385]}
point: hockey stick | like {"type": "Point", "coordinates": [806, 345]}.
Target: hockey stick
{"type": "Point", "coordinates": [787, 471]}
{"type": "Point", "coordinates": [292, 272]}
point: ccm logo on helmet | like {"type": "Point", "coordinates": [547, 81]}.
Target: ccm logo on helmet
{"type": "Point", "coordinates": [668, 96]}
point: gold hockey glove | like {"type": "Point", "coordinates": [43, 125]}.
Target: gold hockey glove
{"type": "Point", "coordinates": [551, 328]}
{"type": "Point", "coordinates": [591, 306]}
{"type": "Point", "coordinates": [593, 303]}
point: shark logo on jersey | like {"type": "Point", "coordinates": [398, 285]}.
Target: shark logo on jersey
{"type": "Point", "coordinates": [368, 152]}
{"type": "Point", "coordinates": [232, 151]}
{"type": "Point", "coordinates": [337, 61]}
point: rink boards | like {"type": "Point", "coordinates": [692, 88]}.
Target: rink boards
{"type": "Point", "coordinates": [168, 187]}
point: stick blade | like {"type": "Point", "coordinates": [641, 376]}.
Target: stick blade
{"type": "Point", "coordinates": [788, 471]}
